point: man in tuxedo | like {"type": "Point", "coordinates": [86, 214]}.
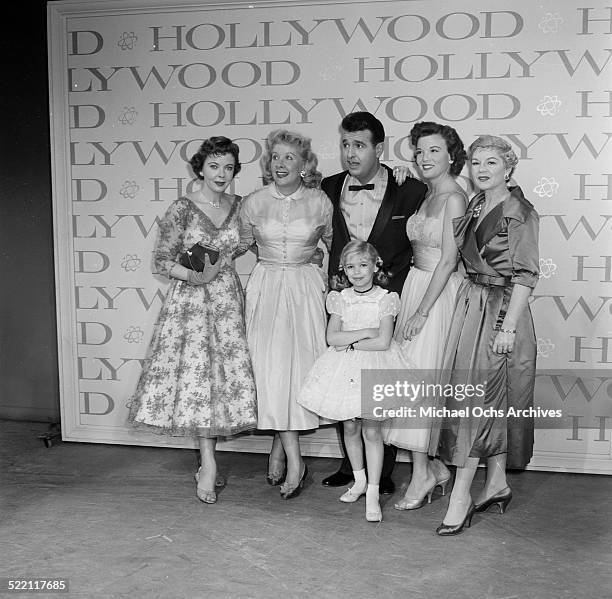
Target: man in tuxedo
{"type": "Point", "coordinates": [370, 206]}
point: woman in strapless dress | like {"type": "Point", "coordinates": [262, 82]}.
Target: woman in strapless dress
{"type": "Point", "coordinates": [428, 296]}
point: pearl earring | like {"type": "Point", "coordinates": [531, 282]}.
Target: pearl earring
{"type": "Point", "coordinates": [507, 177]}
{"type": "Point", "coordinates": [302, 174]}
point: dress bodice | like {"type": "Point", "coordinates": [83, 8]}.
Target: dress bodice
{"type": "Point", "coordinates": [286, 229]}
{"type": "Point", "coordinates": [425, 234]}
{"type": "Point", "coordinates": [362, 311]}
{"type": "Point", "coordinates": [184, 225]}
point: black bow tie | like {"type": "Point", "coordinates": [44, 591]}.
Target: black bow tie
{"type": "Point", "coordinates": [360, 187]}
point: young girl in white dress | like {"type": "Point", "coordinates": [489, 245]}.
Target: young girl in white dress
{"type": "Point", "coordinates": [360, 335]}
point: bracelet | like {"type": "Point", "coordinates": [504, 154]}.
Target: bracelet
{"type": "Point", "coordinates": [423, 314]}
{"type": "Point", "coordinates": [511, 331]}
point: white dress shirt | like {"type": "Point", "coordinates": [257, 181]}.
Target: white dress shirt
{"type": "Point", "coordinates": [360, 208]}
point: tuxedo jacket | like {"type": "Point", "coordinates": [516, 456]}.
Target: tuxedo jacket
{"type": "Point", "coordinates": [388, 234]}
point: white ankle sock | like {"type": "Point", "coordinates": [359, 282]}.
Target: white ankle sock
{"type": "Point", "coordinates": [360, 477]}
{"type": "Point", "coordinates": [372, 498]}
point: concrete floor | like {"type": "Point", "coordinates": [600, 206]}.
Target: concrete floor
{"type": "Point", "coordinates": [122, 521]}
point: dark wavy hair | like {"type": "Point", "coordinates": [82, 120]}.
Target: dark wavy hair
{"type": "Point", "coordinates": [311, 177]}
{"type": "Point", "coordinates": [214, 146]}
{"type": "Point", "coordinates": [454, 145]}
{"type": "Point", "coordinates": [364, 121]}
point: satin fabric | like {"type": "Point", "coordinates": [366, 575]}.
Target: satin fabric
{"type": "Point", "coordinates": [285, 299]}
{"type": "Point", "coordinates": [425, 350]}
{"type": "Point", "coordinates": [504, 244]}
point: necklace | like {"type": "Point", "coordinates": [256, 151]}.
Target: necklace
{"type": "Point", "coordinates": [365, 291]}
{"type": "Point", "coordinates": [215, 204]}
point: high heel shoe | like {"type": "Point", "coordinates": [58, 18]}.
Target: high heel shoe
{"type": "Point", "coordinates": [447, 530]}
{"type": "Point", "coordinates": [442, 478]}
{"type": "Point", "coordinates": [351, 496]}
{"type": "Point", "coordinates": [415, 504]}
{"type": "Point", "coordinates": [206, 496]}
{"type": "Point", "coordinates": [273, 478]}
{"type": "Point", "coordinates": [501, 499]}
{"type": "Point", "coordinates": [276, 478]}
{"type": "Point", "coordinates": [288, 491]}
{"type": "Point", "coordinates": [219, 481]}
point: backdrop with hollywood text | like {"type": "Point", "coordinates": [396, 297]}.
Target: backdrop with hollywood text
{"type": "Point", "coordinates": [135, 85]}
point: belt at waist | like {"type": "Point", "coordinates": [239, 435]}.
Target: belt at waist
{"type": "Point", "coordinates": [283, 264]}
{"type": "Point", "coordinates": [481, 279]}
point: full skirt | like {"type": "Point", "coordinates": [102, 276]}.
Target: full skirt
{"type": "Point", "coordinates": [333, 386]}
{"type": "Point", "coordinates": [425, 351]}
{"type": "Point", "coordinates": [285, 323]}
{"type": "Point", "coordinates": [197, 378]}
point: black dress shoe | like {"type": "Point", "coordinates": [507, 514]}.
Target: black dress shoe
{"type": "Point", "coordinates": [289, 491]}
{"type": "Point", "coordinates": [386, 486]}
{"type": "Point", "coordinates": [338, 479]}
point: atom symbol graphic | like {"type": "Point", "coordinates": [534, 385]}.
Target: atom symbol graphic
{"type": "Point", "coordinates": [129, 115]}
{"type": "Point", "coordinates": [127, 40]}
{"type": "Point", "coordinates": [549, 105]}
{"type": "Point", "coordinates": [545, 347]}
{"type": "Point", "coordinates": [550, 22]}
{"type": "Point", "coordinates": [131, 262]}
{"type": "Point", "coordinates": [129, 189]}
{"type": "Point", "coordinates": [133, 334]}
{"type": "Point", "coordinates": [546, 188]}
{"type": "Point", "coordinates": [547, 268]}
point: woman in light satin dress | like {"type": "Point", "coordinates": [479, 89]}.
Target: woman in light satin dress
{"type": "Point", "coordinates": [429, 293]}
{"type": "Point", "coordinates": [285, 296]}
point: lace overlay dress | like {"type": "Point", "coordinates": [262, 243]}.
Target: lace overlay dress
{"type": "Point", "coordinates": [332, 388]}
{"type": "Point", "coordinates": [197, 379]}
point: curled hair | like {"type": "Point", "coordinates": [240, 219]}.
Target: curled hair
{"type": "Point", "coordinates": [312, 177]}
{"type": "Point", "coordinates": [214, 146]}
{"type": "Point", "coordinates": [454, 145]}
{"type": "Point", "coordinates": [360, 248]}
{"type": "Point", "coordinates": [502, 147]}
{"type": "Point", "coordinates": [364, 121]}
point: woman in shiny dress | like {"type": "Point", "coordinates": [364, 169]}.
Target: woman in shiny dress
{"type": "Point", "coordinates": [429, 294]}
{"type": "Point", "coordinates": [285, 296]}
{"type": "Point", "coordinates": [492, 339]}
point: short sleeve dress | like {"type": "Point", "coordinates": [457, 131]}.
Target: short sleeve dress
{"type": "Point", "coordinates": [332, 388]}
{"type": "Point", "coordinates": [285, 298]}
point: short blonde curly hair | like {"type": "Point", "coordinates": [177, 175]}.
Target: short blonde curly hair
{"type": "Point", "coordinates": [312, 177]}
{"type": "Point", "coordinates": [502, 147]}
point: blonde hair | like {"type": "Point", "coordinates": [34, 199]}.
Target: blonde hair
{"type": "Point", "coordinates": [502, 147]}
{"type": "Point", "coordinates": [360, 248]}
{"type": "Point", "coordinates": [312, 177]}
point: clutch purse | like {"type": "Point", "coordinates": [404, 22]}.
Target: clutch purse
{"type": "Point", "coordinates": [193, 258]}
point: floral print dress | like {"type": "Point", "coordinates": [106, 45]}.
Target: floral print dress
{"type": "Point", "coordinates": [197, 378]}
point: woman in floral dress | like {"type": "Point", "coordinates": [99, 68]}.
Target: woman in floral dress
{"type": "Point", "coordinates": [198, 378]}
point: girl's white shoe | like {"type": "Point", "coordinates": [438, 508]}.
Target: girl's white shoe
{"type": "Point", "coordinates": [353, 494]}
